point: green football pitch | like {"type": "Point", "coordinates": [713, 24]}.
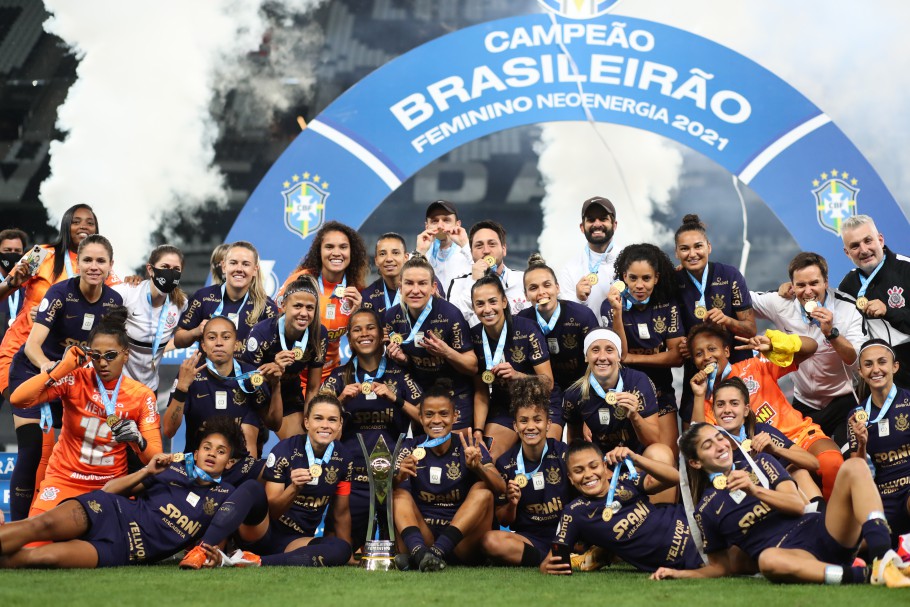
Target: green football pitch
{"type": "Point", "coordinates": [167, 586]}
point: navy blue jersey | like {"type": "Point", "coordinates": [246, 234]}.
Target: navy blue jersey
{"type": "Point", "coordinates": [607, 431]}
{"type": "Point", "coordinates": [648, 329]}
{"type": "Point", "coordinates": [565, 342]}
{"type": "Point", "coordinates": [643, 534]}
{"type": "Point", "coordinates": [749, 523]}
{"type": "Point", "coordinates": [70, 317]}
{"type": "Point", "coordinates": [374, 296]}
{"type": "Point", "coordinates": [264, 343]}
{"type": "Point", "coordinates": [542, 499]}
{"type": "Point", "coordinates": [449, 325]}
{"type": "Point", "coordinates": [376, 416]}
{"type": "Point", "coordinates": [205, 302]}
{"type": "Point", "coordinates": [777, 437]}
{"type": "Point", "coordinates": [210, 395]}
{"type": "Point", "coordinates": [306, 511]}
{"type": "Point", "coordinates": [442, 482]}
{"type": "Point", "coordinates": [888, 444]}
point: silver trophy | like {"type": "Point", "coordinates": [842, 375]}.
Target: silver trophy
{"type": "Point", "coordinates": [379, 554]}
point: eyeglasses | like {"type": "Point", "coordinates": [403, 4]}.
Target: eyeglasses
{"type": "Point", "coordinates": [109, 356]}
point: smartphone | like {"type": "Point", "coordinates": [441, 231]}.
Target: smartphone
{"type": "Point", "coordinates": [488, 442]}
{"type": "Point", "coordinates": [563, 552]}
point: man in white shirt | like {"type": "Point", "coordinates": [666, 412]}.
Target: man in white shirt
{"type": "Point", "coordinates": [807, 306]}
{"type": "Point", "coordinates": [488, 243]}
{"type": "Point", "coordinates": [444, 242]}
{"type": "Point", "coordinates": [587, 277]}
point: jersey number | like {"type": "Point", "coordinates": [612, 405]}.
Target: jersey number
{"type": "Point", "coordinates": [91, 453]}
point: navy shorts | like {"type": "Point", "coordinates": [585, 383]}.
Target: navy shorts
{"type": "Point", "coordinates": [896, 505]}
{"type": "Point", "coordinates": [811, 535]}
{"type": "Point", "coordinates": [292, 396]}
{"type": "Point", "coordinates": [557, 415]}
{"type": "Point", "coordinates": [21, 370]}
{"type": "Point", "coordinates": [107, 531]}
{"type": "Point", "coordinates": [275, 540]}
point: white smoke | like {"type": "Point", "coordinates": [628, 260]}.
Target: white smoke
{"type": "Point", "coordinates": [139, 129]}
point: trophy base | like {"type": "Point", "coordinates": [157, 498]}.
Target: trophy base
{"type": "Point", "coordinates": [378, 555]}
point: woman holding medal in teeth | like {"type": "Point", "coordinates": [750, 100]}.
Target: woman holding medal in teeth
{"type": "Point", "coordinates": [510, 348]}
{"type": "Point", "coordinates": [756, 507]}
{"type": "Point", "coordinates": [241, 299]}
{"type": "Point", "coordinates": [618, 404]}
{"type": "Point", "coordinates": [880, 429]}
{"type": "Point", "coordinates": [380, 400]}
{"type": "Point", "coordinates": [104, 411]}
{"type": "Point", "coordinates": [292, 345]}
{"type": "Point", "coordinates": [430, 337]}
{"type": "Point", "coordinates": [212, 382]}
{"type": "Point", "coordinates": [643, 310]}
{"type": "Point", "coordinates": [564, 324]}
{"type": "Point", "coordinates": [709, 292]}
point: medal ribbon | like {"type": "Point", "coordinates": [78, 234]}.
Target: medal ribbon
{"type": "Point", "coordinates": [808, 319]}
{"type": "Point", "coordinates": [594, 266]}
{"type": "Point", "coordinates": [238, 376]}
{"type": "Point", "coordinates": [325, 456]}
{"type": "Point", "coordinates": [600, 391]}
{"type": "Point", "coordinates": [343, 283]}
{"type": "Point", "coordinates": [110, 402]}
{"type": "Point", "coordinates": [742, 434]}
{"type": "Point", "coordinates": [435, 442]}
{"type": "Point", "coordinates": [13, 303]}
{"type": "Point", "coordinates": [628, 301]}
{"type": "Point", "coordinates": [300, 343]}
{"type": "Point", "coordinates": [712, 377]}
{"type": "Point", "coordinates": [388, 303]}
{"type": "Point", "coordinates": [884, 410]}
{"type": "Point", "coordinates": [436, 247]}
{"type": "Point", "coordinates": [700, 285]}
{"type": "Point", "coordinates": [193, 471]}
{"type": "Point", "coordinates": [220, 307]}
{"type": "Point", "coordinates": [415, 328]}
{"type": "Point", "coordinates": [494, 359]}
{"type": "Point", "coordinates": [762, 479]}
{"type": "Point", "coordinates": [159, 332]}
{"type": "Point", "coordinates": [633, 474]}
{"type": "Point", "coordinates": [68, 264]}
{"type": "Point", "coordinates": [520, 461]}
{"type": "Point", "coordinates": [864, 282]}
{"type": "Point", "coordinates": [366, 376]}
{"type": "Point", "coordinates": [545, 326]}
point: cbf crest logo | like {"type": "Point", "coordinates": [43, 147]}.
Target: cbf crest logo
{"type": "Point", "coordinates": [578, 9]}
{"type": "Point", "coordinates": [835, 199]}
{"type": "Point", "coordinates": [304, 203]}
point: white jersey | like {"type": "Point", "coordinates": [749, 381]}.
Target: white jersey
{"type": "Point", "coordinates": [449, 263]}
{"type": "Point", "coordinates": [824, 375]}
{"type": "Point", "coordinates": [459, 293]}
{"type": "Point", "coordinates": [581, 265]}
{"type": "Point", "coordinates": [141, 327]}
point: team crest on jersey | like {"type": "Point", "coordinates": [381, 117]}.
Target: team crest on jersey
{"type": "Point", "coordinates": [238, 397]}
{"type": "Point", "coordinates": [622, 494]}
{"type": "Point", "coordinates": [896, 297]}
{"type": "Point", "coordinates": [392, 386]}
{"type": "Point", "coordinates": [765, 413]}
{"type": "Point", "coordinates": [751, 384]}
{"type": "Point", "coordinates": [209, 506]}
{"type": "Point", "coordinates": [902, 422]}
{"type": "Point", "coordinates": [553, 476]}
{"type": "Point", "coordinates": [835, 195]}
{"type": "Point", "coordinates": [660, 324]}
{"type": "Point", "coordinates": [49, 494]}
{"type": "Point", "coordinates": [304, 203]}
{"type": "Point", "coordinates": [578, 9]}
{"type": "Point", "coordinates": [717, 300]}
{"type": "Point", "coordinates": [453, 471]}
{"type": "Point", "coordinates": [95, 506]}
{"type": "Point", "coordinates": [331, 475]}
{"type": "Point", "coordinates": [518, 355]}
{"type": "Point", "coordinates": [570, 341]}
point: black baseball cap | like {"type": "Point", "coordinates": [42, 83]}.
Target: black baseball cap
{"type": "Point", "coordinates": [600, 201]}
{"type": "Point", "coordinates": [445, 205]}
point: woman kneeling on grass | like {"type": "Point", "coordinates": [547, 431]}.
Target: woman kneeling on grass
{"type": "Point", "coordinates": [757, 507]}
{"type": "Point", "coordinates": [175, 501]}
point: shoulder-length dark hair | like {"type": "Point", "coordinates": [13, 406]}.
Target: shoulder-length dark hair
{"type": "Point", "coordinates": [64, 241]}
{"type": "Point", "coordinates": [358, 268]}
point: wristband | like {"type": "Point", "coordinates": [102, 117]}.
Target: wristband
{"type": "Point", "coordinates": [178, 395]}
{"type": "Point", "coordinates": [399, 402]}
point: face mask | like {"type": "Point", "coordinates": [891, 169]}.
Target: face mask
{"type": "Point", "coordinates": [165, 280]}
{"type": "Point", "coordinates": [8, 260]}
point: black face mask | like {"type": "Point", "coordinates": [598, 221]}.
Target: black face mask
{"type": "Point", "coordinates": [8, 260]}
{"type": "Point", "coordinates": [165, 280]}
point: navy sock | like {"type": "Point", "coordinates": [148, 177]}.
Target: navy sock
{"type": "Point", "coordinates": [247, 504]}
{"type": "Point", "coordinates": [855, 575]}
{"type": "Point", "coordinates": [877, 535]}
{"type": "Point", "coordinates": [530, 557]}
{"type": "Point", "coordinates": [447, 540]}
{"type": "Point", "coordinates": [22, 481]}
{"type": "Point", "coordinates": [321, 552]}
{"type": "Point", "coordinates": [413, 539]}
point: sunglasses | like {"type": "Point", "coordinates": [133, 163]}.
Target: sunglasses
{"type": "Point", "coordinates": [109, 356]}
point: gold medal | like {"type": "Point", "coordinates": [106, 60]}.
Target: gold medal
{"type": "Point", "coordinates": [315, 470]}
{"type": "Point", "coordinates": [522, 481]}
{"type": "Point", "coordinates": [619, 286]}
{"type": "Point", "coordinates": [720, 482]}
{"type": "Point", "coordinates": [256, 379]}
{"type": "Point", "coordinates": [810, 306]}
{"type": "Point", "coordinates": [488, 377]}
{"type": "Point", "coordinates": [441, 234]}
{"type": "Point", "coordinates": [396, 338]}
{"type": "Point", "coordinates": [746, 444]}
{"type": "Point", "coordinates": [700, 312]}
{"type": "Point", "coordinates": [338, 292]}
{"type": "Point", "coordinates": [861, 416]}
{"type": "Point", "coordinates": [178, 457]}
{"type": "Point", "coordinates": [710, 368]}
{"type": "Point", "coordinates": [543, 301]}
{"type": "Point", "coordinates": [298, 353]}
{"type": "Point", "coordinates": [419, 453]}
{"type": "Point", "coordinates": [366, 387]}
{"type": "Point", "coordinates": [490, 260]}
{"type": "Point", "coordinates": [862, 302]}
{"type": "Point", "coordinates": [610, 398]}
{"type": "Point", "coordinates": [592, 278]}
{"type": "Point", "coordinates": [112, 420]}
{"type": "Point", "coordinates": [607, 514]}
{"type": "Point", "coordinates": [620, 413]}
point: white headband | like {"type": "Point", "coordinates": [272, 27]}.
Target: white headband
{"type": "Point", "coordinates": [598, 334]}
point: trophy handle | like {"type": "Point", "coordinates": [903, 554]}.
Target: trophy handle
{"type": "Point", "coordinates": [366, 458]}
{"type": "Point", "coordinates": [390, 481]}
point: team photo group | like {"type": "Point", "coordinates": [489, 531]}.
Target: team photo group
{"type": "Point", "coordinates": [524, 414]}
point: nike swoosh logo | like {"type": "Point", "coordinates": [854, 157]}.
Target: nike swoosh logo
{"type": "Point", "coordinates": [719, 509]}
{"type": "Point", "coordinates": [201, 395]}
{"type": "Point", "coordinates": [71, 315]}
